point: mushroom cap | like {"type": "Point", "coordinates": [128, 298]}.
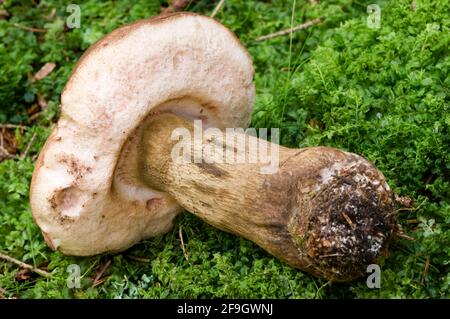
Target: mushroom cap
{"type": "Point", "coordinates": [86, 193]}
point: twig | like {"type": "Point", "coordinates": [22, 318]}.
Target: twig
{"type": "Point", "coordinates": [51, 15]}
{"type": "Point", "coordinates": [27, 149]}
{"type": "Point", "coordinates": [410, 209]}
{"type": "Point", "coordinates": [25, 266]}
{"type": "Point", "coordinates": [406, 209]}
{"type": "Point", "coordinates": [330, 255]}
{"type": "Point", "coordinates": [348, 220]}
{"type": "Point", "coordinates": [302, 26]}
{"type": "Point", "coordinates": [413, 224]}
{"type": "Point", "coordinates": [34, 116]}
{"type": "Point", "coordinates": [425, 270]}
{"type": "Point", "coordinates": [37, 30]}
{"type": "Point", "coordinates": [22, 127]}
{"type": "Point", "coordinates": [402, 235]}
{"type": "Point", "coordinates": [5, 154]}
{"type": "Point", "coordinates": [180, 234]}
{"type": "Point", "coordinates": [44, 71]}
{"type": "Point", "coordinates": [217, 8]}
{"type": "Point", "coordinates": [321, 287]}
{"type": "Point", "coordinates": [97, 280]}
{"type": "Point", "coordinates": [139, 259]}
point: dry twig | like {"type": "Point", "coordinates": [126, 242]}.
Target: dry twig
{"type": "Point", "coordinates": [402, 235]}
{"type": "Point", "coordinates": [25, 266]}
{"type": "Point", "coordinates": [98, 279]}
{"type": "Point", "coordinates": [37, 30]}
{"type": "Point", "coordinates": [46, 69]}
{"type": "Point", "coordinates": [302, 26]}
{"type": "Point", "coordinates": [22, 127]}
{"type": "Point", "coordinates": [425, 270]}
{"type": "Point", "coordinates": [51, 15]}
{"type": "Point", "coordinates": [217, 8]}
{"type": "Point", "coordinates": [139, 259]}
{"type": "Point", "coordinates": [34, 116]}
{"type": "Point", "coordinates": [27, 149]}
{"type": "Point", "coordinates": [4, 154]}
{"type": "Point", "coordinates": [348, 220]}
{"type": "Point", "coordinates": [180, 233]}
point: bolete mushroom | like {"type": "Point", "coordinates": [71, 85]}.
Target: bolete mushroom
{"type": "Point", "coordinates": [106, 177]}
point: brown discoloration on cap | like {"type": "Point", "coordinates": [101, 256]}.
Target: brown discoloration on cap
{"type": "Point", "coordinates": [75, 166]}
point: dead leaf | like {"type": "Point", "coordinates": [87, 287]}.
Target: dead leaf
{"type": "Point", "coordinates": [33, 109]}
{"type": "Point", "coordinates": [177, 5]}
{"type": "Point", "coordinates": [8, 144]}
{"type": "Point", "coordinates": [44, 71]}
{"type": "Point", "coordinates": [24, 275]}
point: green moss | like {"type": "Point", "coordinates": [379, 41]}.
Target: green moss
{"type": "Point", "coordinates": [381, 93]}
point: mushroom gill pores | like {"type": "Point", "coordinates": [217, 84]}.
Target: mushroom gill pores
{"type": "Point", "coordinates": [105, 178]}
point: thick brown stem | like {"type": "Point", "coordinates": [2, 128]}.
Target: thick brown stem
{"type": "Point", "coordinates": [321, 210]}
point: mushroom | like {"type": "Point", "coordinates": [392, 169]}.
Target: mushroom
{"type": "Point", "coordinates": [107, 178]}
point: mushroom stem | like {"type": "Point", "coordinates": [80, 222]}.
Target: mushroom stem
{"type": "Point", "coordinates": [322, 210]}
